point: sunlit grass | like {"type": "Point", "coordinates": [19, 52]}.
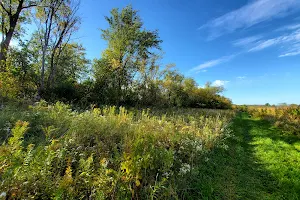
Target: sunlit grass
{"type": "Point", "coordinates": [279, 154]}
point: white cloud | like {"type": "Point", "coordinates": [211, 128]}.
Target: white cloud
{"type": "Point", "coordinates": [291, 40]}
{"type": "Point", "coordinates": [293, 50]}
{"type": "Point", "coordinates": [288, 41]}
{"type": "Point", "coordinates": [265, 44]}
{"type": "Point", "coordinates": [253, 13]}
{"type": "Point", "coordinates": [290, 54]}
{"type": "Point", "coordinates": [246, 41]}
{"type": "Point", "coordinates": [212, 63]}
{"type": "Point", "coordinates": [219, 83]}
{"type": "Point", "coordinates": [289, 27]}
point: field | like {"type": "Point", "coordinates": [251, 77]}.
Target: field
{"type": "Point", "coordinates": [54, 152]}
{"type": "Point", "coordinates": [103, 112]}
{"type": "Point", "coordinates": [50, 151]}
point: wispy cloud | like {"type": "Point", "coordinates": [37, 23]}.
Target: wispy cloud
{"type": "Point", "coordinates": [289, 27]}
{"type": "Point", "coordinates": [219, 83]}
{"type": "Point", "coordinates": [246, 41]}
{"type": "Point", "coordinates": [212, 63]}
{"type": "Point", "coordinates": [290, 54]}
{"type": "Point", "coordinates": [288, 40]}
{"type": "Point", "coordinates": [253, 13]}
{"type": "Point", "coordinates": [265, 44]}
{"type": "Point", "coordinates": [293, 50]}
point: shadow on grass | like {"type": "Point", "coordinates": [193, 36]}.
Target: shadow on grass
{"type": "Point", "coordinates": [250, 167]}
{"type": "Point", "coordinates": [272, 132]}
{"type": "Point", "coordinates": [278, 152]}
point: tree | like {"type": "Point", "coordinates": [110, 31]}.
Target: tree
{"type": "Point", "coordinates": [65, 28]}
{"type": "Point", "coordinates": [173, 86]}
{"type": "Point", "coordinates": [147, 81]}
{"type": "Point", "coordinates": [56, 22]}
{"type": "Point", "coordinates": [128, 46]}
{"type": "Point", "coordinates": [10, 16]}
{"type": "Point", "coordinates": [72, 64]}
{"type": "Point", "coordinates": [22, 67]}
{"type": "Point", "coordinates": [46, 17]}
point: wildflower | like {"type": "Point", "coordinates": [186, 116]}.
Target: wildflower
{"type": "Point", "coordinates": [104, 162]}
{"type": "Point", "coordinates": [185, 168]}
{"type": "Point", "coordinates": [199, 147]}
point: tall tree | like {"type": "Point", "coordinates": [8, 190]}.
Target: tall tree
{"type": "Point", "coordinates": [72, 65]}
{"type": "Point", "coordinates": [128, 44]}
{"type": "Point", "coordinates": [56, 22]}
{"type": "Point", "coordinates": [46, 16]}
{"type": "Point", "coordinates": [65, 27]}
{"type": "Point", "coordinates": [11, 11]}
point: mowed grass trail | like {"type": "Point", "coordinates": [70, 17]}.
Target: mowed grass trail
{"type": "Point", "coordinates": [260, 162]}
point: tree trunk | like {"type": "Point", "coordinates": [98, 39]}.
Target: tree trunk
{"type": "Point", "coordinates": [52, 70]}
{"type": "Point", "coordinates": [48, 25]}
{"type": "Point", "coordinates": [42, 82]}
{"type": "Point", "coordinates": [13, 19]}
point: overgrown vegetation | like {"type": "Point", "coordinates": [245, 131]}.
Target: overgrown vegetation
{"type": "Point", "coordinates": [285, 117]}
{"type": "Point", "coordinates": [109, 153]}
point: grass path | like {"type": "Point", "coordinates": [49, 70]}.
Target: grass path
{"type": "Point", "coordinates": [260, 163]}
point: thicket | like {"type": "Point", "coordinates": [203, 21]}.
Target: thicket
{"type": "Point", "coordinates": [52, 152]}
{"type": "Point", "coordinates": [49, 66]}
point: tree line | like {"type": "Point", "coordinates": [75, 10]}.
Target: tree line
{"type": "Point", "coordinates": [50, 65]}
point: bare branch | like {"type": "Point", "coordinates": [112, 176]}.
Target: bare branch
{"type": "Point", "coordinates": [29, 6]}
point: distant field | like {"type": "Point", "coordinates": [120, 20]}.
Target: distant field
{"type": "Point", "coordinates": [285, 117]}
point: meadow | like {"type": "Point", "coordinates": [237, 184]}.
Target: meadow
{"type": "Point", "coordinates": [51, 151]}
{"type": "Point", "coordinates": [123, 125]}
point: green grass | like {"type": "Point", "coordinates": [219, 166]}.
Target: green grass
{"type": "Point", "coordinates": [260, 163]}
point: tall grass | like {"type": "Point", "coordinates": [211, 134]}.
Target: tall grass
{"type": "Point", "coordinates": [285, 117]}
{"type": "Point", "coordinates": [50, 151]}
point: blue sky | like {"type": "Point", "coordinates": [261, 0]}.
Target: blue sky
{"type": "Point", "coordinates": [252, 47]}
